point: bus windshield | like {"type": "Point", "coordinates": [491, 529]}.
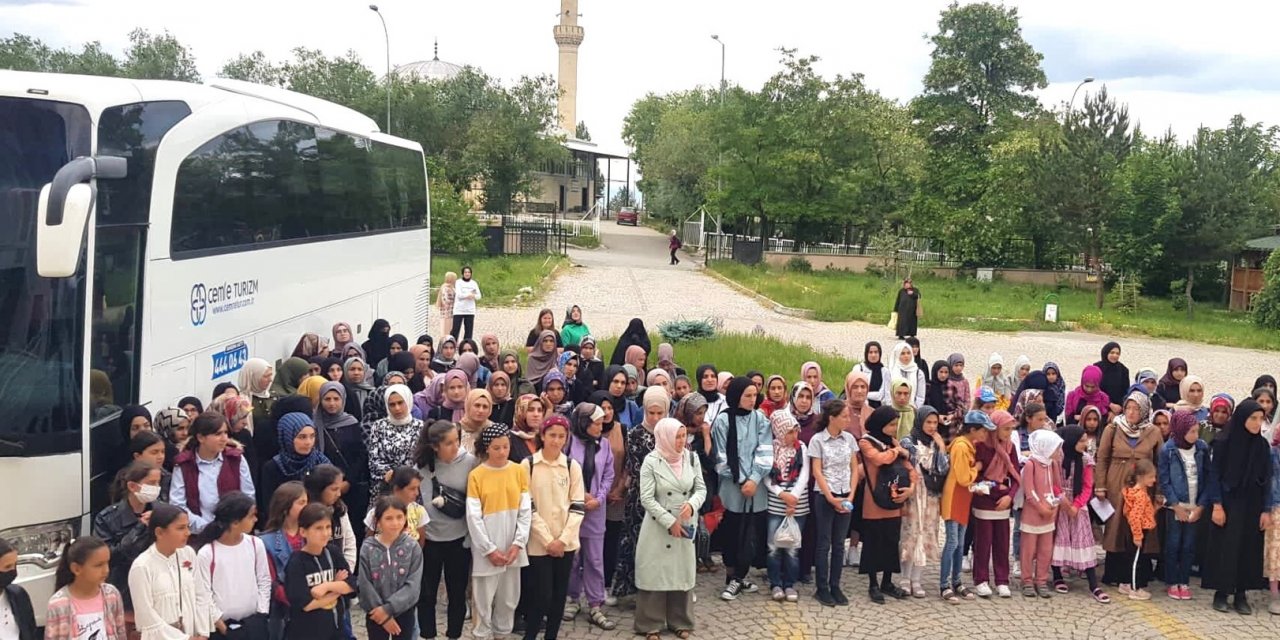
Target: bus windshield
{"type": "Point", "coordinates": [41, 319]}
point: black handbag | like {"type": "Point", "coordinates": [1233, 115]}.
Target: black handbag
{"type": "Point", "coordinates": [449, 501]}
{"type": "Point", "coordinates": [890, 476]}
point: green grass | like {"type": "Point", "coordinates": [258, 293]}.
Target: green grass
{"type": "Point", "coordinates": [992, 306]}
{"type": "Point", "coordinates": [500, 277]}
{"type": "Point", "coordinates": [584, 240]}
{"type": "Point", "coordinates": [738, 353]}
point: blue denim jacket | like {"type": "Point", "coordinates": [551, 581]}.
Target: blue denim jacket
{"type": "Point", "coordinates": [1273, 500]}
{"type": "Point", "coordinates": [1173, 475]}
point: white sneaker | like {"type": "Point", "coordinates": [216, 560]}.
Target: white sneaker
{"type": "Point", "coordinates": [1003, 591]}
{"type": "Point", "coordinates": [983, 590]}
{"type": "Point", "coordinates": [966, 565]}
{"type": "Point", "coordinates": [611, 601]}
{"type": "Point", "coordinates": [1015, 569]}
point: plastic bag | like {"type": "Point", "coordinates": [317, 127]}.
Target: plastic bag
{"type": "Point", "coordinates": [893, 321]}
{"type": "Point", "coordinates": [788, 534]}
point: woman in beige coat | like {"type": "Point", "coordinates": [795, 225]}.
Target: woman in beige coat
{"type": "Point", "coordinates": [1127, 439]}
{"type": "Point", "coordinates": [671, 491]}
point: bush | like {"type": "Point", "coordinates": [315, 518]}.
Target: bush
{"type": "Point", "coordinates": [799, 264]}
{"type": "Point", "coordinates": [454, 229]}
{"type": "Point", "coordinates": [1176, 296]}
{"type": "Point", "coordinates": [687, 330]}
{"type": "Point", "coordinates": [1266, 304]}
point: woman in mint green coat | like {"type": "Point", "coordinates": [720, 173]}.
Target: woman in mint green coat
{"type": "Point", "coordinates": [671, 491]}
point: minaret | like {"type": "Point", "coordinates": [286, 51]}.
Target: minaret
{"type": "Point", "coordinates": [568, 36]}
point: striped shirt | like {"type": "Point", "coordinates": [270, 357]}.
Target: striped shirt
{"type": "Point", "coordinates": [798, 488]}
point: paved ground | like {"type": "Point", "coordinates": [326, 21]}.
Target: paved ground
{"type": "Point", "coordinates": [1074, 615]}
{"type": "Point", "coordinates": [629, 277]}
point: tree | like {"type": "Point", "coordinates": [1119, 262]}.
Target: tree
{"type": "Point", "coordinates": [580, 132]}
{"type": "Point", "coordinates": [255, 67]}
{"type": "Point", "coordinates": [1224, 195]}
{"type": "Point", "coordinates": [158, 57]}
{"type": "Point", "coordinates": [1266, 304]}
{"type": "Point", "coordinates": [621, 198]}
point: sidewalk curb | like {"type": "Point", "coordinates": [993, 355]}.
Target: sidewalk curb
{"type": "Point", "coordinates": [782, 309]}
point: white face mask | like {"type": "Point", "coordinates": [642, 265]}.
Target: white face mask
{"type": "Point", "coordinates": [147, 493]}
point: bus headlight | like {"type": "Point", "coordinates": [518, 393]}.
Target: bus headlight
{"type": "Point", "coordinates": [42, 545]}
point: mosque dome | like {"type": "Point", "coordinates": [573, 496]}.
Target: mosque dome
{"type": "Point", "coordinates": [433, 70]}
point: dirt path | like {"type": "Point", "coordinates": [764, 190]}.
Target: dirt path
{"type": "Point", "coordinates": [629, 277]}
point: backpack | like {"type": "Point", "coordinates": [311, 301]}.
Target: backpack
{"type": "Point", "coordinates": [894, 474]}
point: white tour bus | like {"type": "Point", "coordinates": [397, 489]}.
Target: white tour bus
{"type": "Point", "coordinates": [158, 234]}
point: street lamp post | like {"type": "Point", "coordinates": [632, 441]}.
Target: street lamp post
{"type": "Point", "coordinates": [720, 158]}
{"type": "Point", "coordinates": [387, 37]}
{"type": "Point", "coordinates": [1071, 105]}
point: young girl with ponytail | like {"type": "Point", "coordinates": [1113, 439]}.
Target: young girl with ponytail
{"type": "Point", "coordinates": [229, 562]}
{"type": "Point", "coordinates": [83, 600]}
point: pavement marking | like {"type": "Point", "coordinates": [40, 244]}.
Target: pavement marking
{"type": "Point", "coordinates": [1168, 625]}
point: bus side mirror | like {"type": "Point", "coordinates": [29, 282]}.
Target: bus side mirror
{"type": "Point", "coordinates": [64, 209]}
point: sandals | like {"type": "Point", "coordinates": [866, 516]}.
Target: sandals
{"type": "Point", "coordinates": [652, 636]}
{"type": "Point", "coordinates": [1060, 586]}
{"type": "Point", "coordinates": [683, 634]}
{"type": "Point", "coordinates": [965, 592]}
{"type": "Point", "coordinates": [571, 610]}
{"type": "Point", "coordinates": [950, 596]}
{"type": "Point", "coordinates": [599, 619]}
{"type": "Point", "coordinates": [1101, 596]}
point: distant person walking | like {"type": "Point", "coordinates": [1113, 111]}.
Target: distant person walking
{"type": "Point", "coordinates": [908, 309]}
{"type": "Point", "coordinates": [445, 298]}
{"type": "Point", "coordinates": [464, 305]}
{"type": "Point", "coordinates": [675, 245]}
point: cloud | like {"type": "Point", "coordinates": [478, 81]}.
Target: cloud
{"type": "Point", "coordinates": [26, 3]}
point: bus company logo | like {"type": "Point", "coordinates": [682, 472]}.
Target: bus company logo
{"type": "Point", "coordinates": [230, 360]}
{"type": "Point", "coordinates": [220, 298]}
{"type": "Point", "coordinates": [199, 305]}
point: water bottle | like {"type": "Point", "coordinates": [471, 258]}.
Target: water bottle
{"type": "Point", "coordinates": [848, 506]}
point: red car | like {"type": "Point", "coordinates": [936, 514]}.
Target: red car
{"type": "Point", "coordinates": [628, 215]}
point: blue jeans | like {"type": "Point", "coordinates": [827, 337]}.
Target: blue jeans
{"type": "Point", "coordinates": [1017, 534]}
{"type": "Point", "coordinates": [1179, 550]}
{"type": "Point", "coordinates": [952, 555]}
{"type": "Point", "coordinates": [832, 529]}
{"type": "Point", "coordinates": [783, 564]}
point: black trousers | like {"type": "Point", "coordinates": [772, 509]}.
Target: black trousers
{"type": "Point", "coordinates": [612, 536]}
{"type": "Point", "coordinates": [453, 561]}
{"type": "Point", "coordinates": [674, 259]}
{"type": "Point", "coordinates": [549, 579]}
{"type": "Point", "coordinates": [459, 319]}
{"type": "Point", "coordinates": [740, 542]}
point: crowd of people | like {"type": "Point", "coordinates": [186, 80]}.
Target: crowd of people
{"type": "Point", "coordinates": [544, 482]}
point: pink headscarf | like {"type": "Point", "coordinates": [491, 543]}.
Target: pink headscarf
{"type": "Point", "coordinates": [668, 445]}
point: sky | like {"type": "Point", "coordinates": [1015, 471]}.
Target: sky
{"type": "Point", "coordinates": [1177, 64]}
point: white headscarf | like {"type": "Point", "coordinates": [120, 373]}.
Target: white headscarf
{"type": "Point", "coordinates": [405, 394]}
{"type": "Point", "coordinates": [1043, 444]}
{"type": "Point", "coordinates": [909, 372]}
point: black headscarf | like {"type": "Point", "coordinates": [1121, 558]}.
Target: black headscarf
{"type": "Point", "coordinates": [733, 397]}
{"type": "Point", "coordinates": [711, 396]}
{"type": "Point", "coordinates": [877, 368]}
{"type": "Point", "coordinates": [751, 373]}
{"type": "Point", "coordinates": [217, 391]}
{"type": "Point", "coordinates": [936, 393]}
{"type": "Point", "coordinates": [876, 422]}
{"type": "Point", "coordinates": [1265, 380]}
{"type": "Point", "coordinates": [426, 339]}
{"type": "Point", "coordinates": [914, 342]}
{"type": "Point", "coordinates": [1072, 460]}
{"type": "Point", "coordinates": [635, 334]}
{"type": "Point", "coordinates": [917, 430]}
{"type": "Point", "coordinates": [1168, 387]}
{"type": "Point", "coordinates": [1243, 459]}
{"type": "Point", "coordinates": [1115, 377]}
{"type": "Point", "coordinates": [378, 346]}
{"type": "Point", "coordinates": [580, 421]}
{"type": "Point", "coordinates": [619, 402]}
{"type": "Point", "coordinates": [127, 414]}
{"type": "Point", "coordinates": [600, 398]}
{"type": "Point", "coordinates": [1035, 380]}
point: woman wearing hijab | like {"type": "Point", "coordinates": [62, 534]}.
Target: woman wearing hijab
{"type": "Point", "coordinates": [691, 411]}
{"type": "Point", "coordinates": [1170, 385]}
{"type": "Point", "coordinates": [1192, 394]}
{"type": "Point", "coordinates": [1129, 438]}
{"type": "Point", "coordinates": [569, 364]}
{"type": "Point", "coordinates": [915, 350]}
{"type": "Point", "coordinates": [708, 381]}
{"type": "Point", "coordinates": [398, 344]}
{"type": "Point", "coordinates": [511, 366]}
{"type": "Point", "coordinates": [882, 528]}
{"type": "Point", "coordinates": [586, 445]}
{"type": "Point", "coordinates": [811, 372]}
{"type": "Point", "coordinates": [311, 345]}
{"type": "Point", "coordinates": [1021, 369]}
{"type": "Point", "coordinates": [775, 395]}
{"type": "Point", "coordinates": [1088, 394]}
{"type": "Point", "coordinates": [390, 440]}
{"type": "Point", "coordinates": [1033, 389]}
{"type": "Point", "coordinates": [903, 365]}
{"type": "Point", "coordinates": [908, 308]}
{"type": "Point", "coordinates": [667, 360]}
{"type": "Point", "coordinates": [466, 293]}
{"type": "Point", "coordinates": [1240, 495]}
{"type": "Point", "coordinates": [378, 346]}
{"type": "Point", "coordinates": [1055, 397]}
{"type": "Point", "coordinates": [469, 363]}
{"type": "Point", "coordinates": [635, 335]}
{"type": "Point", "coordinates": [340, 437]}
{"type": "Point", "coordinates": [590, 368]}
{"type": "Point", "coordinates": [1221, 406]}
{"type": "Point", "coordinates": [921, 523]}
{"type": "Point", "coordinates": [299, 454]}
{"type": "Point", "coordinates": [542, 359]}
{"type": "Point", "coordinates": [671, 491]}
{"type": "Point", "coordinates": [444, 399]}
{"type": "Point", "coordinates": [343, 336]}
{"type": "Point", "coordinates": [640, 443]}
{"type": "Point", "coordinates": [1115, 376]}
{"type": "Point", "coordinates": [856, 387]}
{"type": "Point", "coordinates": [355, 379]}
{"type": "Point", "coordinates": [573, 329]}
{"type": "Point", "coordinates": [938, 396]}
{"type": "Point", "coordinates": [999, 380]}
{"type": "Point", "coordinates": [873, 366]}
{"type": "Point", "coordinates": [310, 388]}
{"type": "Point", "coordinates": [504, 406]}
{"type": "Point", "coordinates": [446, 357]}
{"type": "Point", "coordinates": [1266, 398]}
{"type": "Point", "coordinates": [375, 406]}
{"type": "Point", "coordinates": [900, 393]}
{"type": "Point", "coordinates": [743, 442]}
{"type": "Point", "coordinates": [802, 407]}
{"type": "Point", "coordinates": [614, 515]}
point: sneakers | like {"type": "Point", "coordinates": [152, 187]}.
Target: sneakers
{"type": "Point", "coordinates": [1044, 591]}
{"type": "Point", "coordinates": [1015, 569]}
{"type": "Point", "coordinates": [611, 601]}
{"type": "Point", "coordinates": [792, 595]}
{"type": "Point", "coordinates": [1174, 592]}
{"type": "Point", "coordinates": [1003, 591]}
{"type": "Point", "coordinates": [917, 590]}
{"type": "Point", "coordinates": [1028, 591]}
{"type": "Point", "coordinates": [1186, 592]}
{"type": "Point", "coordinates": [983, 590]}
{"type": "Point", "coordinates": [749, 586]}
{"type": "Point", "coordinates": [839, 597]}
{"type": "Point", "coordinates": [732, 590]}
{"type": "Point", "coordinates": [1139, 594]}
{"type": "Point", "coordinates": [778, 594]}
{"type": "Point", "coordinates": [1274, 607]}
